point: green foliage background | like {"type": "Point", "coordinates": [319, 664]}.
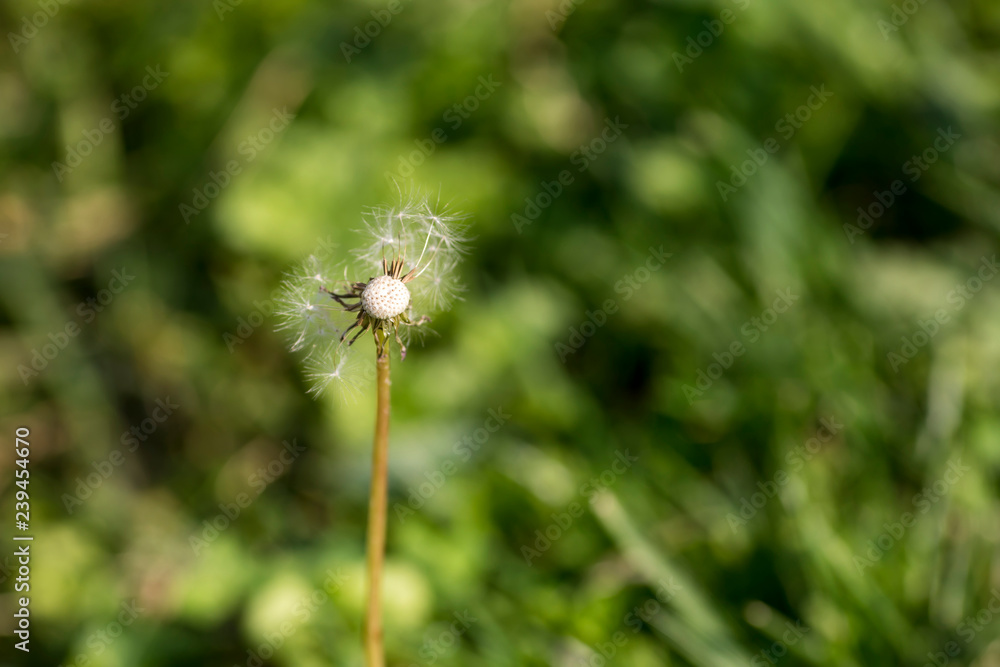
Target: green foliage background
{"type": "Point", "coordinates": [662, 537]}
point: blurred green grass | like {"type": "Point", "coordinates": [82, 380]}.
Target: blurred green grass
{"type": "Point", "coordinates": [652, 569]}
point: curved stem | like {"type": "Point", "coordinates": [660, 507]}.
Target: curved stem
{"type": "Point", "coordinates": [378, 508]}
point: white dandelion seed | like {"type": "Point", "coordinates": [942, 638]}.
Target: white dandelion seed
{"type": "Point", "coordinates": [330, 370]}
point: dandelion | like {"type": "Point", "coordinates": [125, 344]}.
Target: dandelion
{"type": "Point", "coordinates": [393, 283]}
{"type": "Point", "coordinates": [389, 286]}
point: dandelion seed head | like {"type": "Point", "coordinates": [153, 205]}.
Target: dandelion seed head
{"type": "Point", "coordinates": [385, 297]}
{"type": "Point", "coordinates": [404, 269]}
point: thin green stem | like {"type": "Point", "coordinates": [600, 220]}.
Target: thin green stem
{"type": "Point", "coordinates": [378, 507]}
